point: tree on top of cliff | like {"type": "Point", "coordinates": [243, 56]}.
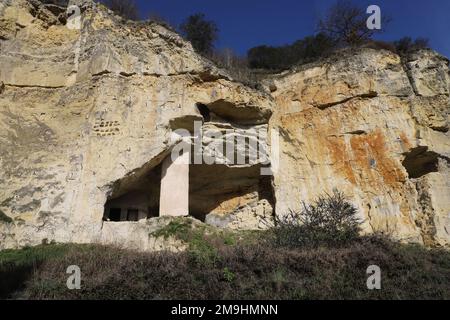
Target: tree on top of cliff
{"type": "Point", "coordinates": [200, 32]}
{"type": "Point", "coordinates": [124, 8]}
{"type": "Point", "coordinates": [406, 45]}
{"type": "Point", "coordinates": [346, 23]}
{"type": "Point", "coordinates": [278, 58]}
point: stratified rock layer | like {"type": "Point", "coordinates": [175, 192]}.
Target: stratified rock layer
{"type": "Point", "coordinates": [375, 128]}
{"type": "Point", "coordinates": [86, 116]}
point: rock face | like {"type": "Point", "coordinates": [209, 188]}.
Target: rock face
{"type": "Point", "coordinates": [86, 120]}
{"type": "Point", "coordinates": [376, 129]}
{"type": "Point", "coordinates": [87, 117]}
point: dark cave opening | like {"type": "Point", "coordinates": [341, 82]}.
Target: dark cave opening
{"type": "Point", "coordinates": [419, 162]}
{"type": "Point", "coordinates": [204, 111]}
{"type": "Point", "coordinates": [133, 201]}
{"type": "Point", "coordinates": [212, 188]}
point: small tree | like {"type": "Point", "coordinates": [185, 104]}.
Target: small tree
{"type": "Point", "coordinates": [124, 8]}
{"type": "Point", "coordinates": [200, 32]}
{"type": "Point", "coordinates": [313, 47]}
{"type": "Point", "coordinates": [277, 58]}
{"type": "Point", "coordinates": [406, 45]}
{"type": "Point", "coordinates": [267, 57]}
{"type": "Point", "coordinates": [346, 23]}
{"type": "Point", "coordinates": [330, 220]}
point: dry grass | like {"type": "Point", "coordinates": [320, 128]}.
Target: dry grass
{"type": "Point", "coordinates": [216, 267]}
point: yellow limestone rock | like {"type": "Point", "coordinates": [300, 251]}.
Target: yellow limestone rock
{"type": "Point", "coordinates": [86, 118]}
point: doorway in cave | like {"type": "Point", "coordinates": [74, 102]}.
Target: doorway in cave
{"type": "Point", "coordinates": [134, 199]}
{"type": "Point", "coordinates": [216, 188]}
{"type": "Point", "coordinates": [212, 189]}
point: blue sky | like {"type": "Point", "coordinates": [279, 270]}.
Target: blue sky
{"type": "Point", "coordinates": [247, 23]}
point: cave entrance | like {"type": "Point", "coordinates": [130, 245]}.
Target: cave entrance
{"type": "Point", "coordinates": [177, 188]}
{"type": "Point", "coordinates": [134, 200]}
{"type": "Point", "coordinates": [159, 191]}
{"type": "Point", "coordinates": [419, 162]}
{"type": "Point", "coordinates": [115, 214]}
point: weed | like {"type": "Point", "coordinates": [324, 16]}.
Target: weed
{"type": "Point", "coordinates": [228, 274]}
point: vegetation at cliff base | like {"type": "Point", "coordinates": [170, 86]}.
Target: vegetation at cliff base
{"type": "Point", "coordinates": [242, 271]}
{"type": "Point", "coordinates": [17, 266]}
{"type": "Point", "coordinates": [313, 253]}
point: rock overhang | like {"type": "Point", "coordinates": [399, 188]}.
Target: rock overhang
{"type": "Point", "coordinates": [92, 112]}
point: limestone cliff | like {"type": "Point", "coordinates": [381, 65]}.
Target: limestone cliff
{"type": "Point", "coordinates": [376, 128]}
{"type": "Point", "coordinates": [87, 114]}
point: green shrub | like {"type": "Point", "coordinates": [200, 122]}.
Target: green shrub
{"type": "Point", "coordinates": [228, 274]}
{"type": "Point", "coordinates": [178, 228]}
{"type": "Point", "coordinates": [330, 220]}
{"type": "Point", "coordinates": [202, 251]}
{"type": "Point", "coordinates": [200, 247]}
{"type": "Point", "coordinates": [200, 32]}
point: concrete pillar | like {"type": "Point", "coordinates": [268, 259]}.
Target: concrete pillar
{"type": "Point", "coordinates": [174, 199]}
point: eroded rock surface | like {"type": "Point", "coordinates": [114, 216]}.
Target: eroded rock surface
{"type": "Point", "coordinates": [87, 116]}
{"type": "Point", "coordinates": [374, 127]}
